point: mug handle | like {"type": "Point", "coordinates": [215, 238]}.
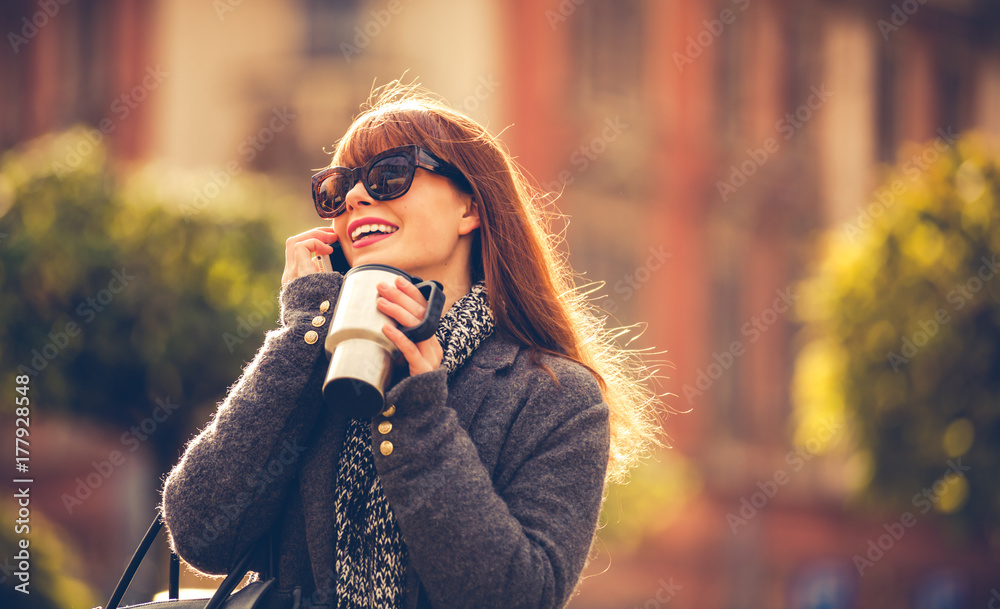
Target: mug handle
{"type": "Point", "coordinates": [433, 291]}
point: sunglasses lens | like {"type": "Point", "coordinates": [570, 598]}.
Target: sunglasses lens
{"type": "Point", "coordinates": [330, 196]}
{"type": "Point", "coordinates": [390, 176]}
{"type": "Point", "coordinates": [387, 178]}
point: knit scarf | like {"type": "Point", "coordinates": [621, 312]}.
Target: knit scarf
{"type": "Point", "coordinates": [371, 555]}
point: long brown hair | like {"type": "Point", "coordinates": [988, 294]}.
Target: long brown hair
{"type": "Point", "coordinates": [529, 284]}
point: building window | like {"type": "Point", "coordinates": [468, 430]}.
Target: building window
{"type": "Point", "coordinates": [607, 43]}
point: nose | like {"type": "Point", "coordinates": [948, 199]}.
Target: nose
{"type": "Point", "coordinates": [357, 196]}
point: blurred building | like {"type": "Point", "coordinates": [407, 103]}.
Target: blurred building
{"type": "Point", "coordinates": [699, 146]}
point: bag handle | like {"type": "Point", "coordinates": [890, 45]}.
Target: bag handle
{"type": "Point", "coordinates": [225, 589]}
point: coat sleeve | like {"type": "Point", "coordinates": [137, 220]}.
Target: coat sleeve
{"type": "Point", "coordinates": [229, 485]}
{"type": "Point", "coordinates": [518, 538]}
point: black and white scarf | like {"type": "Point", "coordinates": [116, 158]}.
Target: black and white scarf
{"type": "Point", "coordinates": [371, 555]}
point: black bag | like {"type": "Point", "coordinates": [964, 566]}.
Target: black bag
{"type": "Point", "coordinates": [251, 596]}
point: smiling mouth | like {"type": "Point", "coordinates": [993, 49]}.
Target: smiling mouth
{"type": "Point", "coordinates": [372, 230]}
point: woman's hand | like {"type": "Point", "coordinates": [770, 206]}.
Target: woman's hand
{"type": "Point", "coordinates": [300, 252]}
{"type": "Point", "coordinates": [403, 302]}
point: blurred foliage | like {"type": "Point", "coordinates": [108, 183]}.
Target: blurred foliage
{"type": "Point", "coordinates": [656, 495]}
{"type": "Point", "coordinates": [903, 337]}
{"type": "Point", "coordinates": [124, 290]}
{"type": "Point", "coordinates": [54, 572]}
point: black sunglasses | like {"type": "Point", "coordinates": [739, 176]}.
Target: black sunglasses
{"type": "Point", "coordinates": [386, 176]}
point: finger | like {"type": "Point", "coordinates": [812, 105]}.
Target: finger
{"type": "Point", "coordinates": [394, 310]}
{"type": "Point", "coordinates": [317, 232]}
{"type": "Point", "coordinates": [303, 259]}
{"type": "Point", "coordinates": [431, 348]}
{"type": "Point", "coordinates": [311, 249]}
{"type": "Point", "coordinates": [397, 296]}
{"type": "Point", "coordinates": [300, 259]}
{"type": "Point", "coordinates": [431, 352]}
{"type": "Point", "coordinates": [322, 234]}
{"type": "Point", "coordinates": [411, 290]}
{"type": "Point", "coordinates": [404, 344]}
{"type": "Point", "coordinates": [414, 355]}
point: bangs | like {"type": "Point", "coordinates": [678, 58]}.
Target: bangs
{"type": "Point", "coordinates": [390, 127]}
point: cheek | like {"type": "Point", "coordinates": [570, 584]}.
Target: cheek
{"type": "Point", "coordinates": [340, 226]}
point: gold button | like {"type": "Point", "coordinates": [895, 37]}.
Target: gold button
{"type": "Point", "coordinates": [324, 306]}
{"type": "Point", "coordinates": [384, 427]}
{"type": "Point", "coordinates": [311, 336]}
{"type": "Point", "coordinates": [319, 320]}
{"type": "Point", "coordinates": [391, 410]}
{"type": "Point", "coordinates": [386, 448]}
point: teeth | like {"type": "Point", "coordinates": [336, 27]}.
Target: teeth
{"type": "Point", "coordinates": [371, 228]}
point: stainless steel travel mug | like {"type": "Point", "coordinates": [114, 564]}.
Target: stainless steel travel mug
{"type": "Point", "coordinates": [361, 356]}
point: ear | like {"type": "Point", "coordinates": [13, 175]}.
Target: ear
{"type": "Point", "coordinates": [470, 218]}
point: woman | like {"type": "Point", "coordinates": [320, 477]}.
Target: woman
{"type": "Point", "coordinates": [481, 483]}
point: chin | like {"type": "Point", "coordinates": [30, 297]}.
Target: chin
{"type": "Point", "coordinates": [376, 259]}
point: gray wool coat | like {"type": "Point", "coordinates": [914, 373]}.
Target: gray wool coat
{"type": "Point", "coordinates": [495, 475]}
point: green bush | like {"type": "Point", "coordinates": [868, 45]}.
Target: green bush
{"type": "Point", "coordinates": [903, 337]}
{"type": "Point", "coordinates": [127, 296]}
{"type": "Point", "coordinates": [122, 291]}
{"type": "Point", "coordinates": [54, 568]}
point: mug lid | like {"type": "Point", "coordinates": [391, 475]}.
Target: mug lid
{"type": "Point", "coordinates": [383, 267]}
